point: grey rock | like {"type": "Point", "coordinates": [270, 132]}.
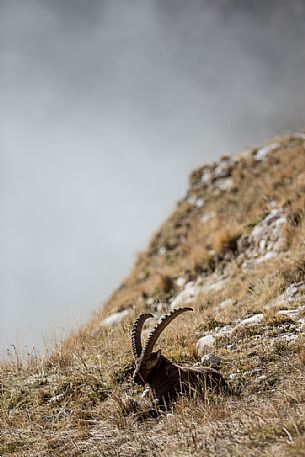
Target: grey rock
{"type": "Point", "coordinates": [211, 360]}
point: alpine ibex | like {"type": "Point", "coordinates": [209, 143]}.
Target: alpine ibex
{"type": "Point", "coordinates": [166, 379]}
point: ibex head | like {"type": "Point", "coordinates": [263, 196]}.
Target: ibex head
{"type": "Point", "coordinates": [146, 359]}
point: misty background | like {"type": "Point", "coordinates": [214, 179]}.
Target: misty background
{"type": "Point", "coordinates": [106, 107]}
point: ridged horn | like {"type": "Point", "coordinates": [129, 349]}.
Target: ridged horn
{"type": "Point", "coordinates": [158, 329]}
{"type": "Point", "coordinates": [136, 334]}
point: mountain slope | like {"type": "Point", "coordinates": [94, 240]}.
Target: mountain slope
{"type": "Point", "coordinates": [234, 250]}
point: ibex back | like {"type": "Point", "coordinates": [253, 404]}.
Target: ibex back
{"type": "Point", "coordinates": [166, 379]}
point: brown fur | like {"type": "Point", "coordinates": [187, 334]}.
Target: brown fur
{"type": "Point", "coordinates": [167, 380]}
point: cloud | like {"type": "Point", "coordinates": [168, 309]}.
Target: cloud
{"type": "Point", "coordinates": [106, 108]}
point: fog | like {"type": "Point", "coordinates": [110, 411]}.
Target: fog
{"type": "Point", "coordinates": [106, 107]}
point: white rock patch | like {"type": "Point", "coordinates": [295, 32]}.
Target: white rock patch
{"type": "Point", "coordinates": [162, 250]}
{"type": "Point", "coordinates": [200, 203]}
{"type": "Point", "coordinates": [262, 153]}
{"type": "Point", "coordinates": [293, 293]}
{"type": "Point", "coordinates": [180, 281]}
{"type": "Point", "coordinates": [204, 344]}
{"type": "Point", "coordinates": [114, 318]}
{"type": "Point", "coordinates": [267, 240]}
{"type": "Point", "coordinates": [193, 289]}
{"type": "Point", "coordinates": [224, 331]}
{"type": "Point", "coordinates": [187, 295]}
{"type": "Point", "coordinates": [194, 201]}
{"type": "Point", "coordinates": [302, 322]}
{"type": "Point", "coordinates": [217, 177]}
{"type": "Point", "coordinates": [266, 257]}
{"type": "Point", "coordinates": [225, 184]}
{"type": "Point", "coordinates": [223, 169]}
{"type": "Point", "coordinates": [253, 320]}
{"type": "Point", "coordinates": [292, 313]}
{"type": "Point", "coordinates": [206, 176]}
{"type": "Point", "coordinates": [207, 217]}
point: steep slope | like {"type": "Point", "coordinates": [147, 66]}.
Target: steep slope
{"type": "Point", "coordinates": [234, 250]}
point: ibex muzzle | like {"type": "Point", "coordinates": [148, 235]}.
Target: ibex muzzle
{"type": "Point", "coordinates": [166, 379]}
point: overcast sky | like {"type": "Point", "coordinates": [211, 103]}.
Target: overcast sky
{"type": "Point", "coordinates": [106, 106]}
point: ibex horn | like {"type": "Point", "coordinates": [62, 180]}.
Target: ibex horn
{"type": "Point", "coordinates": [136, 334]}
{"type": "Point", "coordinates": [158, 329]}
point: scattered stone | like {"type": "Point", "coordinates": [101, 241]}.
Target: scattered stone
{"type": "Point", "coordinates": [211, 360]}
{"type": "Point", "coordinates": [207, 217]}
{"type": "Point", "coordinates": [262, 153]}
{"type": "Point", "coordinates": [192, 200]}
{"type": "Point", "coordinates": [224, 168]}
{"type": "Point", "coordinates": [192, 289]}
{"type": "Point", "coordinates": [57, 398]}
{"type": "Point", "coordinates": [233, 376]}
{"type": "Point", "coordinates": [114, 318]}
{"type": "Point", "coordinates": [292, 313]}
{"type": "Point", "coordinates": [199, 203]}
{"type": "Point", "coordinates": [216, 176]}
{"type": "Point", "coordinates": [186, 295]}
{"type": "Point", "coordinates": [204, 344]}
{"type": "Point", "coordinates": [301, 322]}
{"type": "Point", "coordinates": [206, 176]}
{"type": "Point", "coordinates": [225, 184]}
{"type": "Point", "coordinates": [253, 320]}
{"type": "Point", "coordinates": [195, 201]}
{"type": "Point", "coordinates": [266, 257]}
{"type": "Point", "coordinates": [293, 294]}
{"type": "Point", "coordinates": [232, 347]}
{"type": "Point", "coordinates": [267, 239]}
{"type": "Point", "coordinates": [224, 331]}
{"type": "Point", "coordinates": [260, 379]}
{"type": "Point", "coordinates": [180, 281]}
{"type": "Point", "coordinates": [294, 291]}
{"type": "Point", "coordinates": [162, 250]}
{"type": "Point", "coordinates": [289, 337]}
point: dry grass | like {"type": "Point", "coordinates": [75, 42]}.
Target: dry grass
{"type": "Point", "coordinates": [81, 400]}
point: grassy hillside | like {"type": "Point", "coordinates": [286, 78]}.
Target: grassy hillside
{"type": "Point", "coordinates": [233, 249]}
